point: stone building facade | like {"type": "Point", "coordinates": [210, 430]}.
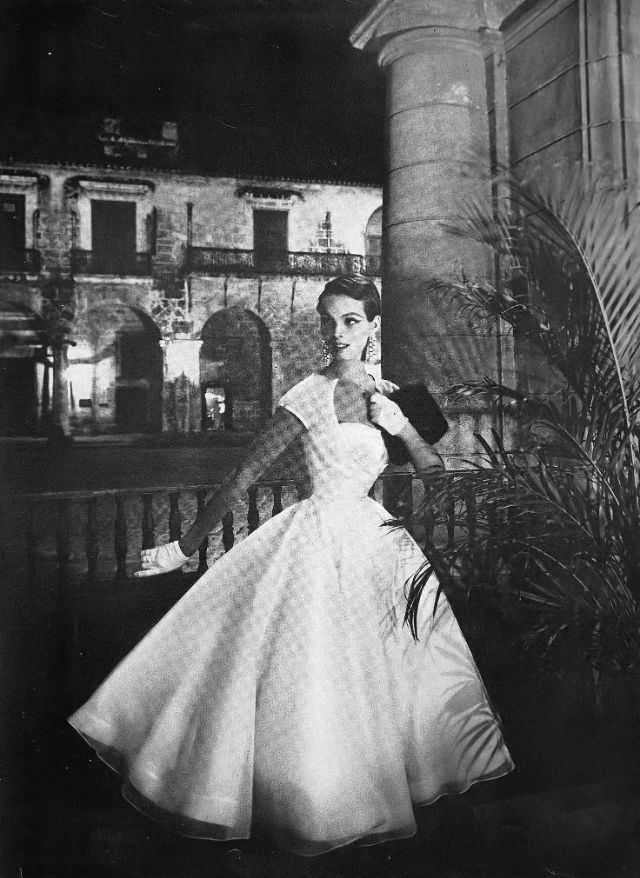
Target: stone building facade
{"type": "Point", "coordinates": [141, 301]}
{"type": "Point", "coordinates": [214, 308]}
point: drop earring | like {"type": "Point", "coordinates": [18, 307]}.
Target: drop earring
{"type": "Point", "coordinates": [326, 354]}
{"type": "Point", "coordinates": [370, 349]}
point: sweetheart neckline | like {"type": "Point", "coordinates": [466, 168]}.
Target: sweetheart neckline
{"type": "Point", "coordinates": [334, 382]}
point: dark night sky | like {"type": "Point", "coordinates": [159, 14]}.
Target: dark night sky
{"type": "Point", "coordinates": [268, 87]}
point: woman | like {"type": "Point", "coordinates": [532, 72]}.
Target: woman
{"type": "Point", "coordinates": [283, 692]}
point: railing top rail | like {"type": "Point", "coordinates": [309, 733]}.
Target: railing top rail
{"type": "Point", "coordinates": [213, 248]}
{"type": "Point", "coordinates": [319, 253]}
{"type": "Point", "coordinates": [172, 489]}
{"type": "Point", "coordinates": [156, 489]}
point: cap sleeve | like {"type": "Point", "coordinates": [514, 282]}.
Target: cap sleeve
{"type": "Point", "coordinates": [303, 401]}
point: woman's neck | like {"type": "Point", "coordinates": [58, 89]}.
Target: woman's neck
{"type": "Point", "coordinates": [350, 370]}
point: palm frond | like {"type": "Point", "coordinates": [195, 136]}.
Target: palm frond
{"type": "Point", "coordinates": [571, 258]}
{"type": "Point", "coordinates": [550, 532]}
{"type": "Point", "coordinates": [548, 541]}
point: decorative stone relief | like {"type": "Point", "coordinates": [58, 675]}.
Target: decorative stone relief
{"type": "Point", "coordinates": [171, 315]}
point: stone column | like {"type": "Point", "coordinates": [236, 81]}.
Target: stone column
{"type": "Point", "coordinates": [58, 313]}
{"type": "Point", "coordinates": [437, 153]}
{"type": "Point", "coordinates": [181, 406]}
{"type": "Point", "coordinates": [45, 403]}
{"type": "Point", "coordinates": [60, 395]}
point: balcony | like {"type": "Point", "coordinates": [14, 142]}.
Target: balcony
{"type": "Point", "coordinates": [79, 538]}
{"type": "Point", "coordinates": [90, 262]}
{"type": "Point", "coordinates": [220, 260]}
{"type": "Point", "coordinates": [20, 261]}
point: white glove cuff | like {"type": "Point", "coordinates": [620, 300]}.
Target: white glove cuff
{"type": "Point", "coordinates": [399, 423]}
{"type": "Point", "coordinates": [175, 553]}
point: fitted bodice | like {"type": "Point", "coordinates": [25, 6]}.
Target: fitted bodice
{"type": "Point", "coordinates": [343, 459]}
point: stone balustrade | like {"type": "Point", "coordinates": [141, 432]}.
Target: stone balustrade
{"type": "Point", "coordinates": [220, 260]}
{"type": "Point", "coordinates": [20, 261]}
{"type": "Point", "coordinates": [89, 262]}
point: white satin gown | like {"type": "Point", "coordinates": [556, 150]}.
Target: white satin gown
{"type": "Point", "coordinates": [283, 694]}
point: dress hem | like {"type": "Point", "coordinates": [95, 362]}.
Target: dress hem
{"type": "Point", "coordinates": [190, 827]}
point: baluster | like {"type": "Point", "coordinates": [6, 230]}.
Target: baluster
{"type": "Point", "coordinates": [470, 516]}
{"type": "Point", "coordinates": [277, 500]}
{"type": "Point", "coordinates": [148, 524]}
{"type": "Point", "coordinates": [253, 516]}
{"type": "Point", "coordinates": [408, 496]}
{"type": "Point", "coordinates": [62, 548]}
{"type": "Point", "coordinates": [201, 497]}
{"type": "Point", "coordinates": [451, 522]}
{"type": "Point", "coordinates": [517, 564]}
{"type": "Point", "coordinates": [92, 539]}
{"type": "Point", "coordinates": [428, 520]}
{"type": "Point", "coordinates": [228, 536]}
{"type": "Point", "coordinates": [474, 558]}
{"type": "Point", "coordinates": [32, 542]}
{"type": "Point", "coordinates": [120, 541]}
{"type": "Point", "coordinates": [492, 542]}
{"type": "Point", "coordinates": [175, 517]}
{"type": "Point", "coordinates": [66, 619]}
{"type": "Point", "coordinates": [398, 496]}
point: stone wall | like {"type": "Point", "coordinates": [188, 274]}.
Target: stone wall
{"type": "Point", "coordinates": [572, 84]}
{"type": "Point", "coordinates": [121, 322]}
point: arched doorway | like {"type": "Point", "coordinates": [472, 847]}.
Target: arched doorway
{"type": "Point", "coordinates": [235, 371]}
{"type": "Point", "coordinates": [115, 372]}
{"type": "Point", "coordinates": [24, 372]}
{"type": "Point", "coordinates": [373, 243]}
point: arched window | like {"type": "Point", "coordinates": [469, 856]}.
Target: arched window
{"type": "Point", "coordinates": [235, 371]}
{"type": "Point", "coordinates": [373, 243]}
{"type": "Point", "coordinates": [115, 372]}
{"type": "Point", "coordinates": [24, 369]}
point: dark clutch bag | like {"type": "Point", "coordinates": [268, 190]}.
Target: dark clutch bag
{"type": "Point", "coordinates": [423, 412]}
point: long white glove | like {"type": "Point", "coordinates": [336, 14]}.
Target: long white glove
{"type": "Point", "coordinates": [161, 559]}
{"type": "Point", "coordinates": [386, 414]}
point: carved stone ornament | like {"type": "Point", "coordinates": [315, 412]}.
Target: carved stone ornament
{"type": "Point", "coordinates": [172, 316]}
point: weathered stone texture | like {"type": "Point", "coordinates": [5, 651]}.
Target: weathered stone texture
{"type": "Point", "coordinates": [119, 318]}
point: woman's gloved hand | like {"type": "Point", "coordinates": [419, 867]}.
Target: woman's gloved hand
{"type": "Point", "coordinates": [161, 559]}
{"type": "Point", "coordinates": [386, 414]}
{"type": "Point", "coordinates": [386, 387]}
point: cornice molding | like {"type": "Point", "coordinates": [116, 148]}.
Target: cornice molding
{"type": "Point", "coordinates": [19, 182]}
{"type": "Point", "coordinates": [116, 187]}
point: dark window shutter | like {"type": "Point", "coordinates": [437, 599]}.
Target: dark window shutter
{"type": "Point", "coordinates": [270, 238]}
{"type": "Point", "coordinates": [113, 236]}
{"type": "Point", "coordinates": [12, 237]}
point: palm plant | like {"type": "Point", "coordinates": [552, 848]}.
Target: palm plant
{"type": "Point", "coordinates": [555, 537]}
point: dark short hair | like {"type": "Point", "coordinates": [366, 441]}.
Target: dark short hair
{"type": "Point", "coordinates": [357, 287]}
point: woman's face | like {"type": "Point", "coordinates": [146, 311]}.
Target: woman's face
{"type": "Point", "coordinates": [344, 327]}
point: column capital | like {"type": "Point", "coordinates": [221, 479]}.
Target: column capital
{"type": "Point", "coordinates": [391, 17]}
{"type": "Point", "coordinates": [427, 39]}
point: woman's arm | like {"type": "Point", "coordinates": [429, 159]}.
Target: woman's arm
{"type": "Point", "coordinates": [424, 457]}
{"type": "Point", "coordinates": [261, 454]}
{"type": "Point", "coordinates": [388, 415]}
